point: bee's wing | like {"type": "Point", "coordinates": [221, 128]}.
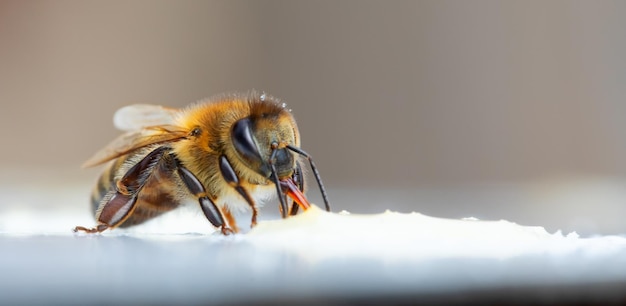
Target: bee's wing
{"type": "Point", "coordinates": [138, 116]}
{"type": "Point", "coordinates": [134, 140]}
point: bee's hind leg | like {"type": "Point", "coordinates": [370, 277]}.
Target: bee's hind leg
{"type": "Point", "coordinates": [116, 209]}
{"type": "Point", "coordinates": [119, 203]}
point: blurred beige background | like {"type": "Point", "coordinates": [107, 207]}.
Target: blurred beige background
{"type": "Point", "coordinates": [402, 94]}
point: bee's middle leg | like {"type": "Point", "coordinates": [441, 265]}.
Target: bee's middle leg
{"type": "Point", "coordinates": [210, 210]}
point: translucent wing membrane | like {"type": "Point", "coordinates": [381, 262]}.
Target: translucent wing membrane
{"type": "Point", "coordinates": [138, 116]}
{"type": "Point", "coordinates": [131, 141]}
{"type": "Point", "coordinates": [145, 125]}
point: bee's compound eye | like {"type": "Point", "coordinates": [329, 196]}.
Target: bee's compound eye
{"type": "Point", "coordinates": [244, 142]}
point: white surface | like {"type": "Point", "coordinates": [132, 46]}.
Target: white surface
{"type": "Point", "coordinates": [413, 237]}
{"type": "Point", "coordinates": [312, 256]}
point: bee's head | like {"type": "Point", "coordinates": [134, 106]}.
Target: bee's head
{"type": "Point", "coordinates": [261, 139]}
{"type": "Point", "coordinates": [267, 142]}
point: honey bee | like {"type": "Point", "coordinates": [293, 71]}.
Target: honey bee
{"type": "Point", "coordinates": [226, 153]}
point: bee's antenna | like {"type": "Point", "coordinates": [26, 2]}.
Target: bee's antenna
{"type": "Point", "coordinates": [315, 172]}
{"type": "Point", "coordinates": [283, 203]}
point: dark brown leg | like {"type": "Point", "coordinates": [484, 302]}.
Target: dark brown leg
{"type": "Point", "coordinates": [120, 202]}
{"type": "Point", "coordinates": [298, 178]}
{"type": "Point", "coordinates": [210, 210]}
{"type": "Point", "coordinates": [255, 211]}
{"type": "Point", "coordinates": [315, 173]}
{"type": "Point", "coordinates": [231, 177]}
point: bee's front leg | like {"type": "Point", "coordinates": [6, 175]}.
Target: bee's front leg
{"type": "Point", "coordinates": [315, 173]}
{"type": "Point", "coordinates": [298, 178]}
{"type": "Point", "coordinates": [231, 178]}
